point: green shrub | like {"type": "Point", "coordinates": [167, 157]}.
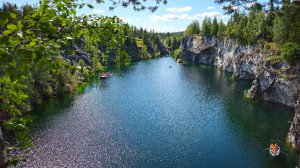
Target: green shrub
{"type": "Point", "coordinates": [178, 52]}
{"type": "Point", "coordinates": [85, 72]}
{"type": "Point", "coordinates": [290, 52]}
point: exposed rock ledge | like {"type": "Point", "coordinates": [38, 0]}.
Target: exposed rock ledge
{"type": "Point", "coordinates": [273, 79]}
{"type": "Point", "coordinates": [294, 133]}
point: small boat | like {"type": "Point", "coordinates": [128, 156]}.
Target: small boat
{"type": "Point", "coordinates": [274, 150]}
{"type": "Point", "coordinates": [103, 75]}
{"type": "Point", "coordinates": [170, 66]}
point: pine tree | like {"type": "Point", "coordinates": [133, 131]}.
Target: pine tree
{"type": "Point", "coordinates": [221, 29]}
{"type": "Point", "coordinates": [209, 25]}
{"type": "Point", "coordinates": [251, 28]}
{"type": "Point", "coordinates": [282, 23]}
{"type": "Point", "coordinates": [229, 28]}
{"type": "Point", "coordinates": [206, 27]}
{"type": "Point", "coordinates": [278, 30]}
{"type": "Point", "coordinates": [239, 26]}
{"type": "Point", "coordinates": [214, 27]}
{"type": "Point", "coordinates": [192, 29]}
{"type": "Point", "coordinates": [294, 17]}
{"type": "Point", "coordinates": [260, 25]}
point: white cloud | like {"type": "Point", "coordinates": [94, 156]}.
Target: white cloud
{"type": "Point", "coordinates": [159, 28]}
{"type": "Point", "coordinates": [99, 11]}
{"type": "Point", "coordinates": [211, 8]}
{"type": "Point", "coordinates": [235, 7]}
{"type": "Point", "coordinates": [137, 19]}
{"type": "Point", "coordinates": [225, 18]}
{"type": "Point", "coordinates": [127, 20]}
{"type": "Point", "coordinates": [207, 14]}
{"type": "Point", "coordinates": [184, 16]}
{"type": "Point", "coordinates": [249, 5]}
{"type": "Point", "coordinates": [179, 10]}
{"type": "Point", "coordinates": [167, 17]}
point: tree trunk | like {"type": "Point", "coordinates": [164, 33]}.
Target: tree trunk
{"type": "Point", "coordinates": [3, 156]}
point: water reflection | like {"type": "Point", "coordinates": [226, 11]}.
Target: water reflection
{"type": "Point", "coordinates": [150, 115]}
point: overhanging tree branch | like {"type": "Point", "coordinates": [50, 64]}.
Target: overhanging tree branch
{"type": "Point", "coordinates": [137, 5]}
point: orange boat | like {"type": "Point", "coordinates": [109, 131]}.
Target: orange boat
{"type": "Point", "coordinates": [274, 150]}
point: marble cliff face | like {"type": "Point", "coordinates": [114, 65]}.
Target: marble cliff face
{"type": "Point", "coordinates": [272, 78]}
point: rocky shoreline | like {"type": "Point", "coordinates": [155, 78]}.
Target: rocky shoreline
{"type": "Point", "coordinates": [274, 80]}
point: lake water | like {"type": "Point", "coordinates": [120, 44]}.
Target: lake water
{"type": "Point", "coordinates": [151, 115]}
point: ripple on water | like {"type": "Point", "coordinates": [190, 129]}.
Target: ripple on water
{"type": "Point", "coordinates": [150, 115]}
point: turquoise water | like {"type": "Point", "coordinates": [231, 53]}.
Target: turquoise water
{"type": "Point", "coordinates": [150, 115]}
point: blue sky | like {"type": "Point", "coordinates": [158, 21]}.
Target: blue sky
{"type": "Point", "coordinates": [173, 17]}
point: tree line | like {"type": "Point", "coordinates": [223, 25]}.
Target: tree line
{"type": "Point", "coordinates": [149, 43]}
{"type": "Point", "coordinates": [280, 24]}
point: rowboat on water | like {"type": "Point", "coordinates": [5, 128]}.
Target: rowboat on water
{"type": "Point", "coordinates": [274, 150]}
{"type": "Point", "coordinates": [103, 75]}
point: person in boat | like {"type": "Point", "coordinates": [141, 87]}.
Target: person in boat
{"type": "Point", "coordinates": [274, 148]}
{"type": "Point", "coordinates": [104, 75]}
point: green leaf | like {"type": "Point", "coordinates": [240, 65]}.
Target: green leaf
{"type": "Point", "coordinates": [20, 25]}
{"type": "Point", "coordinates": [12, 27]}
{"type": "Point", "coordinates": [4, 18]}
{"type": "Point", "coordinates": [70, 52]}
{"type": "Point", "coordinates": [73, 11]}
{"type": "Point", "coordinates": [7, 31]}
{"type": "Point", "coordinates": [3, 41]}
{"type": "Point", "coordinates": [2, 52]}
{"type": "Point", "coordinates": [13, 40]}
{"type": "Point", "coordinates": [24, 53]}
{"type": "Point", "coordinates": [13, 15]}
{"type": "Point", "coordinates": [90, 6]}
{"type": "Point", "coordinates": [29, 32]}
{"type": "Point", "coordinates": [3, 21]}
{"type": "Point", "coordinates": [32, 43]}
{"type": "Point", "coordinates": [33, 55]}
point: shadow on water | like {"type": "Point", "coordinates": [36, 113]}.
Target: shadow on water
{"type": "Point", "coordinates": [257, 123]}
{"type": "Point", "coordinates": [53, 107]}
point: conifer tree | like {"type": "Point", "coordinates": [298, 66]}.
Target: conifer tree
{"type": "Point", "coordinates": [221, 29]}
{"type": "Point", "coordinates": [214, 27]}
{"type": "Point", "coordinates": [192, 29]}
{"type": "Point", "coordinates": [206, 27]}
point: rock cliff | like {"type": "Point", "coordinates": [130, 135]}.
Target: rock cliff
{"type": "Point", "coordinates": [274, 80]}
{"type": "Point", "coordinates": [294, 132]}
{"type": "Point", "coordinates": [3, 156]}
{"type": "Point", "coordinates": [225, 54]}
